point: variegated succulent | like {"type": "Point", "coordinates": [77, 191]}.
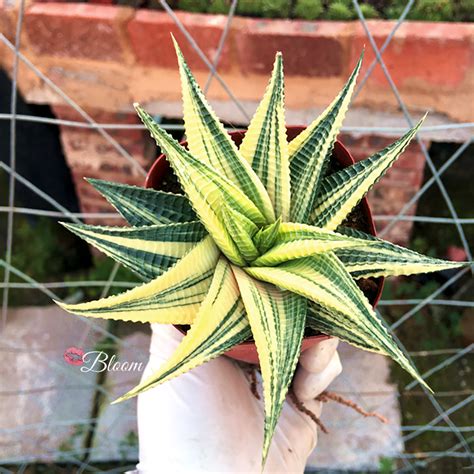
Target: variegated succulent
{"type": "Point", "coordinates": [256, 247]}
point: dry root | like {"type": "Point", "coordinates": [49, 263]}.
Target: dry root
{"type": "Point", "coordinates": [252, 371]}
{"type": "Point", "coordinates": [331, 396]}
{"type": "Point", "coordinates": [301, 407]}
{"type": "Point", "coordinates": [324, 397]}
{"type": "Point", "coordinates": [327, 396]}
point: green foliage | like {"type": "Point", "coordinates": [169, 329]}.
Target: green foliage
{"type": "Point", "coordinates": [464, 10]}
{"type": "Point", "coordinates": [197, 6]}
{"type": "Point", "coordinates": [275, 8]}
{"type": "Point", "coordinates": [369, 11]}
{"type": "Point", "coordinates": [340, 11]}
{"type": "Point", "coordinates": [308, 9]}
{"type": "Point", "coordinates": [249, 7]}
{"type": "Point", "coordinates": [435, 10]}
{"type": "Point", "coordinates": [219, 6]}
{"type": "Point", "coordinates": [386, 466]}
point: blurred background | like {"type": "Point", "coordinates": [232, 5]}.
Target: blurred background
{"type": "Point", "coordinates": [69, 73]}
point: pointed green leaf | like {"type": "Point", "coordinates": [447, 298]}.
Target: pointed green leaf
{"type": "Point", "coordinates": [147, 250]}
{"type": "Point", "coordinates": [265, 145]}
{"type": "Point", "coordinates": [324, 280]}
{"type": "Point", "coordinates": [141, 206]}
{"type": "Point", "coordinates": [209, 142]}
{"type": "Point", "coordinates": [311, 149]}
{"type": "Point", "coordinates": [241, 229]}
{"type": "Point", "coordinates": [300, 240]}
{"type": "Point", "coordinates": [205, 188]}
{"type": "Point", "coordinates": [220, 324]}
{"type": "Point", "coordinates": [266, 236]}
{"type": "Point", "coordinates": [382, 258]}
{"type": "Point", "coordinates": [172, 298]}
{"type": "Point", "coordinates": [277, 319]}
{"type": "Point", "coordinates": [328, 322]}
{"type": "Point", "coordinates": [343, 190]}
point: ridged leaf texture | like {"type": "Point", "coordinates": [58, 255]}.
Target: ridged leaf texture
{"type": "Point", "coordinates": [255, 247]}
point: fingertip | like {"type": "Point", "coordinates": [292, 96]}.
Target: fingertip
{"type": "Point", "coordinates": [316, 358]}
{"type": "Point", "coordinates": [308, 385]}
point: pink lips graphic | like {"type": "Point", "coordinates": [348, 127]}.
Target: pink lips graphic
{"type": "Point", "coordinates": [74, 356]}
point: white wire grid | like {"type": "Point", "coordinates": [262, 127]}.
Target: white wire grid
{"type": "Point", "coordinates": [409, 462]}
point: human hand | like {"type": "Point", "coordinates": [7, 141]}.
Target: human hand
{"type": "Point", "coordinates": [208, 420]}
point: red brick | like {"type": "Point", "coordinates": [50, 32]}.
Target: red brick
{"type": "Point", "coordinates": [397, 176]}
{"type": "Point", "coordinates": [7, 21]}
{"type": "Point", "coordinates": [439, 54]}
{"type": "Point", "coordinates": [412, 160]}
{"type": "Point", "coordinates": [309, 48]}
{"type": "Point", "coordinates": [65, 112]}
{"type": "Point", "coordinates": [77, 30]}
{"type": "Point", "coordinates": [150, 37]}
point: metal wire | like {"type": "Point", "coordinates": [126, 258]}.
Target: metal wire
{"type": "Point", "coordinates": [411, 461]}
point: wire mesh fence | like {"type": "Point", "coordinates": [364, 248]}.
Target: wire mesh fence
{"type": "Point", "coordinates": [454, 437]}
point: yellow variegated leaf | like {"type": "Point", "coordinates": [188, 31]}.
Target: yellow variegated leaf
{"type": "Point", "coordinates": [311, 150]}
{"type": "Point", "coordinates": [323, 279]}
{"type": "Point", "coordinates": [277, 319]}
{"type": "Point", "coordinates": [147, 250]}
{"type": "Point", "coordinates": [342, 191]}
{"type": "Point", "coordinates": [206, 189]}
{"type": "Point", "coordinates": [172, 298]}
{"type": "Point", "coordinates": [381, 258]}
{"type": "Point", "coordinates": [331, 322]}
{"type": "Point", "coordinates": [300, 240]}
{"type": "Point", "coordinates": [265, 145]}
{"type": "Point", "coordinates": [220, 324]}
{"type": "Point", "coordinates": [142, 206]}
{"type": "Point", "coordinates": [209, 142]}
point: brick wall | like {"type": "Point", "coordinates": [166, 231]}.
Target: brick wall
{"type": "Point", "coordinates": [90, 155]}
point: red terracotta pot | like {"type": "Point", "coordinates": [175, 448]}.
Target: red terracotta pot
{"type": "Point", "coordinates": [247, 351]}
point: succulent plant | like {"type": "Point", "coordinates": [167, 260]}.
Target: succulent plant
{"type": "Point", "coordinates": [256, 246]}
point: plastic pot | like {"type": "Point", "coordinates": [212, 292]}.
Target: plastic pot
{"type": "Point", "coordinates": [247, 351]}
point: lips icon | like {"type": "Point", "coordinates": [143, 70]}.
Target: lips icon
{"type": "Point", "coordinates": [74, 355]}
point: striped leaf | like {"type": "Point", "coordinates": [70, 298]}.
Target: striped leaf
{"type": "Point", "coordinates": [209, 142]}
{"type": "Point", "coordinates": [342, 191]}
{"type": "Point", "coordinates": [265, 145]}
{"type": "Point", "coordinates": [172, 298]}
{"type": "Point", "coordinates": [300, 240]}
{"type": "Point", "coordinates": [322, 320]}
{"type": "Point", "coordinates": [205, 188]}
{"type": "Point", "coordinates": [241, 229]}
{"type": "Point", "coordinates": [141, 206]}
{"type": "Point", "coordinates": [311, 149]}
{"type": "Point", "coordinates": [382, 258]}
{"type": "Point", "coordinates": [148, 250]}
{"type": "Point", "coordinates": [277, 319]}
{"type": "Point", "coordinates": [220, 324]}
{"type": "Point", "coordinates": [324, 280]}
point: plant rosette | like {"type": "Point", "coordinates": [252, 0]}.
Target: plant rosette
{"type": "Point", "coordinates": [162, 178]}
{"type": "Point", "coordinates": [257, 247]}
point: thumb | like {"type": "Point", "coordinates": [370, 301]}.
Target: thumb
{"type": "Point", "coordinates": [319, 366]}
